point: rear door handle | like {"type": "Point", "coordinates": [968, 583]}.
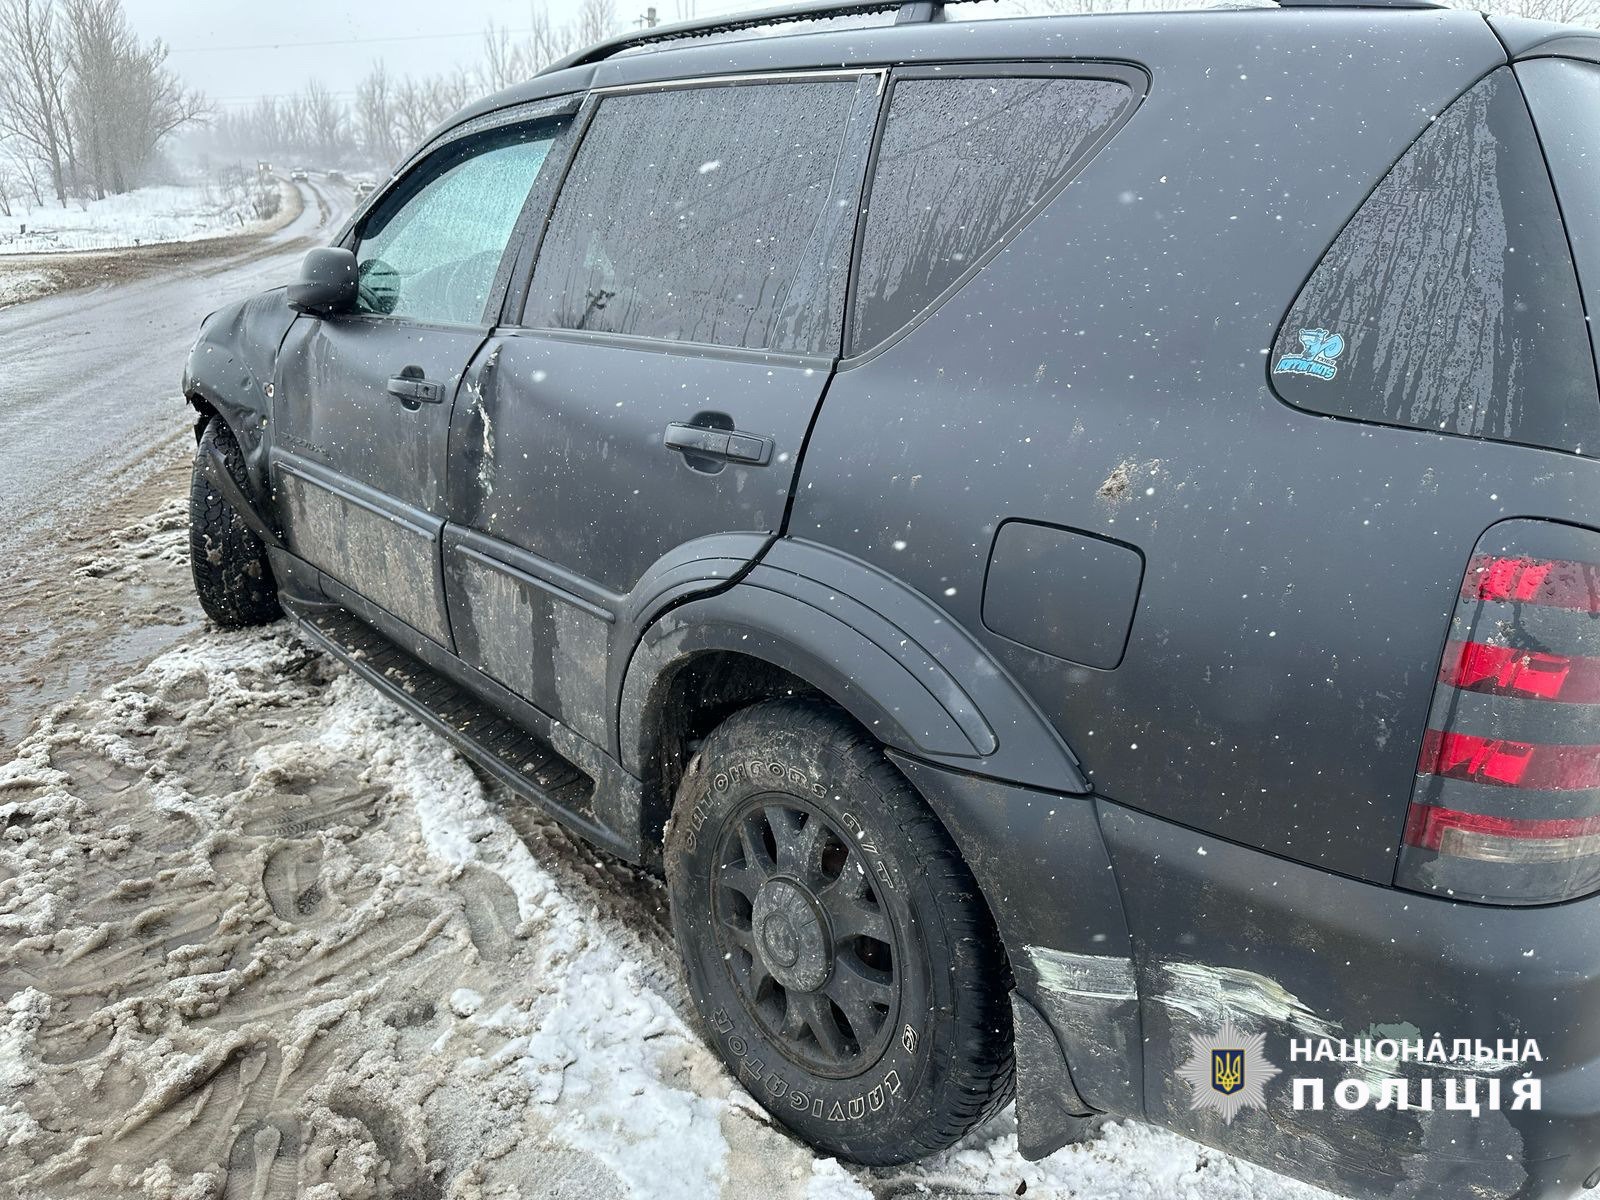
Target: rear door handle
{"type": "Point", "coordinates": [424, 391]}
{"type": "Point", "coordinates": [729, 444]}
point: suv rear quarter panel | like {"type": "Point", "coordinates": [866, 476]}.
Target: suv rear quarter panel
{"type": "Point", "coordinates": [1107, 373]}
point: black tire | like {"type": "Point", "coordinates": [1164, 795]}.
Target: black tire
{"type": "Point", "coordinates": [232, 576]}
{"type": "Point", "coordinates": [794, 933]}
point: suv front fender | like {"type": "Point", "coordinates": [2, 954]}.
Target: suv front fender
{"type": "Point", "coordinates": [230, 370]}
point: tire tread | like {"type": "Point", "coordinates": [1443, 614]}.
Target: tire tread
{"type": "Point", "coordinates": [232, 576]}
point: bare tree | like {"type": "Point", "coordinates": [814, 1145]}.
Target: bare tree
{"type": "Point", "coordinates": [415, 111]}
{"type": "Point", "coordinates": [597, 20]}
{"type": "Point", "coordinates": [505, 62]}
{"type": "Point", "coordinates": [33, 73]}
{"type": "Point", "coordinates": [29, 171]}
{"type": "Point", "coordinates": [548, 41]}
{"type": "Point", "coordinates": [374, 115]}
{"type": "Point", "coordinates": [1568, 12]}
{"type": "Point", "coordinates": [122, 100]}
{"type": "Point", "coordinates": [390, 114]}
{"type": "Point", "coordinates": [296, 118]}
{"type": "Point", "coordinates": [327, 123]}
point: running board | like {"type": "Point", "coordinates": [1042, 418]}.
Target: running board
{"type": "Point", "coordinates": [524, 762]}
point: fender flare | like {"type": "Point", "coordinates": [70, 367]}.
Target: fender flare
{"type": "Point", "coordinates": [892, 659]}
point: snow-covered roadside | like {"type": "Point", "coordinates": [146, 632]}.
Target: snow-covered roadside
{"type": "Point", "coordinates": [123, 237]}
{"type": "Point", "coordinates": [260, 930]}
{"type": "Point", "coordinates": [25, 284]}
{"type": "Point", "coordinates": [142, 217]}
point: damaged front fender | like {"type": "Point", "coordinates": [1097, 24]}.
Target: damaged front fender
{"type": "Point", "coordinates": [230, 372]}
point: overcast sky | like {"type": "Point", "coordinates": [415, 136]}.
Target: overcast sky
{"type": "Point", "coordinates": [237, 50]}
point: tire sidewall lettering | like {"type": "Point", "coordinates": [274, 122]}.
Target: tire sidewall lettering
{"type": "Point", "coordinates": [766, 1082]}
{"type": "Point", "coordinates": [755, 775]}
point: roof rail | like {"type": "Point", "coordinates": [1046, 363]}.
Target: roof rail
{"type": "Point", "coordinates": [906, 12]}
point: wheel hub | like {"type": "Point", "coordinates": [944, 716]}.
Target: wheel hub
{"type": "Point", "coordinates": [810, 946]}
{"type": "Point", "coordinates": [792, 935]}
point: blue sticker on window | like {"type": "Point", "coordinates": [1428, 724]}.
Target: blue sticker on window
{"type": "Point", "coordinates": [1321, 348]}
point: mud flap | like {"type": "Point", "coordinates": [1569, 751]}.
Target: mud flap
{"type": "Point", "coordinates": [1050, 1113]}
{"type": "Point", "coordinates": [215, 469]}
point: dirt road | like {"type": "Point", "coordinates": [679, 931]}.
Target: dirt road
{"type": "Point", "coordinates": [88, 377]}
{"type": "Point", "coordinates": [95, 437]}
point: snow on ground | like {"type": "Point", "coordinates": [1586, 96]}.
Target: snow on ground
{"type": "Point", "coordinates": [263, 935]}
{"type": "Point", "coordinates": [19, 285]}
{"type": "Point", "coordinates": [172, 213]}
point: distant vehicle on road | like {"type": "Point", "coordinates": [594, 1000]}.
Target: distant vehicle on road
{"type": "Point", "coordinates": [336, 176]}
{"type": "Point", "coordinates": [363, 190]}
{"type": "Point", "coordinates": [299, 175]}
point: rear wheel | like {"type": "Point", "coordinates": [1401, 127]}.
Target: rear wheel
{"type": "Point", "coordinates": [835, 944]}
{"type": "Point", "coordinates": [232, 576]}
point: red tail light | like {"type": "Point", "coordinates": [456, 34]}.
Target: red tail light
{"type": "Point", "coordinates": [1507, 801]}
{"type": "Point", "coordinates": [1502, 763]}
{"type": "Point", "coordinates": [1518, 580]}
{"type": "Point", "coordinates": [1506, 671]}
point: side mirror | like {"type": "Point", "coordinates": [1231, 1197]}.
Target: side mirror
{"type": "Point", "coordinates": [327, 283]}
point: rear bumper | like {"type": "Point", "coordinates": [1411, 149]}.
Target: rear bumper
{"type": "Point", "coordinates": [1221, 932]}
{"type": "Point", "coordinates": [1130, 936]}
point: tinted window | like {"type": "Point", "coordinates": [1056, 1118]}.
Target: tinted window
{"type": "Point", "coordinates": [960, 163]}
{"type": "Point", "coordinates": [719, 215]}
{"type": "Point", "coordinates": [1565, 97]}
{"type": "Point", "coordinates": [1449, 302]}
{"type": "Point", "coordinates": [431, 250]}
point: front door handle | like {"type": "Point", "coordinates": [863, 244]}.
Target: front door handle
{"type": "Point", "coordinates": [416, 390]}
{"type": "Point", "coordinates": [728, 444]}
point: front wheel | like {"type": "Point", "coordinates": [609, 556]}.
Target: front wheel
{"type": "Point", "coordinates": [232, 576]}
{"type": "Point", "coordinates": [836, 946]}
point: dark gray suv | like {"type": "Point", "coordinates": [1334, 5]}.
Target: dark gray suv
{"type": "Point", "coordinates": [1072, 542]}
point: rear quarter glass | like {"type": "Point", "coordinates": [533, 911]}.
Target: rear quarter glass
{"type": "Point", "coordinates": [961, 163]}
{"type": "Point", "coordinates": [1450, 302]}
{"type": "Point", "coordinates": [1565, 98]}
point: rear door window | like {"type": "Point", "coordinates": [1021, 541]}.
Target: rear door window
{"type": "Point", "coordinates": [962, 162]}
{"type": "Point", "coordinates": [717, 214]}
{"type": "Point", "coordinates": [1565, 98]}
{"type": "Point", "coordinates": [1450, 301]}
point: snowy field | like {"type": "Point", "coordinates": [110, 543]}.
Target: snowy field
{"type": "Point", "coordinates": [176, 213]}
{"type": "Point", "coordinates": [263, 935]}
